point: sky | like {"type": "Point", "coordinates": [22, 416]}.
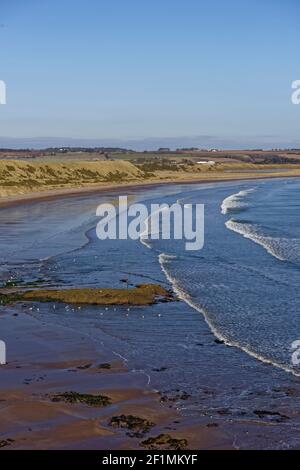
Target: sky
{"type": "Point", "coordinates": [153, 73]}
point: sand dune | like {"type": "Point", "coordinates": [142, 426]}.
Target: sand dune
{"type": "Point", "coordinates": [19, 177]}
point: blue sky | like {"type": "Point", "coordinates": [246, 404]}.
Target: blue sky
{"type": "Point", "coordinates": [214, 73]}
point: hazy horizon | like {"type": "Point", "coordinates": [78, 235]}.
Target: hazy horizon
{"type": "Point", "coordinates": [150, 144]}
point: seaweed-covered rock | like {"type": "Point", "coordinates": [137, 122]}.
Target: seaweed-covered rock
{"type": "Point", "coordinates": [174, 397]}
{"type": "Point", "coordinates": [137, 426]}
{"type": "Point", "coordinates": [164, 441]}
{"type": "Point", "coordinates": [98, 401]}
{"type": "Point", "coordinates": [84, 366]}
{"type": "Point", "coordinates": [6, 442]}
{"type": "Point", "coordinates": [105, 365]}
{"type": "Point", "coordinates": [273, 415]}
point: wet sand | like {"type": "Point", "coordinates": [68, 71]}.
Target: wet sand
{"type": "Point", "coordinates": [43, 361]}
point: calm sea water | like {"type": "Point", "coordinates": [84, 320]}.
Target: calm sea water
{"type": "Point", "coordinates": [241, 288]}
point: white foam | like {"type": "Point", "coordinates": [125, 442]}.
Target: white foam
{"type": "Point", "coordinates": [284, 249]}
{"type": "Point", "coordinates": [235, 202]}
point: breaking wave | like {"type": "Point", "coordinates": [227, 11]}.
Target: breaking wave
{"type": "Point", "coordinates": [235, 203]}
{"type": "Point", "coordinates": [284, 249]}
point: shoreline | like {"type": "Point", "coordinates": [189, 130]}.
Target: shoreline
{"type": "Point", "coordinates": [51, 195]}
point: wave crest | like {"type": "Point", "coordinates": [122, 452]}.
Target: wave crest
{"type": "Point", "coordinates": [235, 203]}
{"type": "Point", "coordinates": [284, 249]}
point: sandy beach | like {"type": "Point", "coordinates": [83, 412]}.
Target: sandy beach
{"type": "Point", "coordinates": [43, 361]}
